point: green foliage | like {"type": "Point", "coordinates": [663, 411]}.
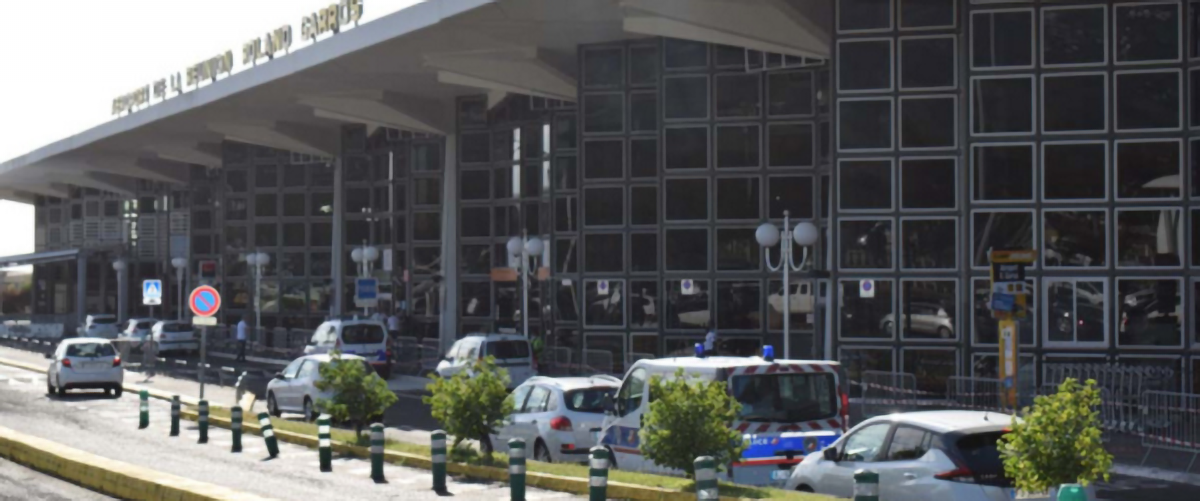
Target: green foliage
{"type": "Point", "coordinates": [359, 396]}
{"type": "Point", "coordinates": [472, 403]}
{"type": "Point", "coordinates": [689, 418]}
{"type": "Point", "coordinates": [1058, 441]}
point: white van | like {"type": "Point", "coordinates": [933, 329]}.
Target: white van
{"type": "Point", "coordinates": [363, 337]}
{"type": "Point", "coordinates": [512, 352]}
{"type": "Point", "coordinates": [790, 408]}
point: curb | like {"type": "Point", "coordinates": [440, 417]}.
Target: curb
{"type": "Point", "coordinates": [108, 476]}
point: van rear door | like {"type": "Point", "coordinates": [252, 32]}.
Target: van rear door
{"type": "Point", "coordinates": [365, 340]}
{"type": "Point", "coordinates": [788, 411]}
{"type": "Point", "coordinates": [514, 356]}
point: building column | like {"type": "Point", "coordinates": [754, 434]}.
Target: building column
{"type": "Point", "coordinates": [81, 287]}
{"type": "Point", "coordinates": [449, 320]}
{"type": "Point", "coordinates": [339, 238]}
{"type": "Point", "coordinates": [123, 292]}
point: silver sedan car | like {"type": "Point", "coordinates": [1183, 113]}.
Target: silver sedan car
{"type": "Point", "coordinates": [558, 418]}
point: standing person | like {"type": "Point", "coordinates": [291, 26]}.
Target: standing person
{"type": "Point", "coordinates": [241, 340]}
{"type": "Point", "coordinates": [710, 343]}
{"type": "Point", "coordinates": [393, 324]}
{"type": "Point", "coordinates": [149, 357]}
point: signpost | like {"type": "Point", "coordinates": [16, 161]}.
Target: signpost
{"type": "Point", "coordinates": [151, 292]}
{"type": "Point", "coordinates": [866, 288]}
{"type": "Point", "coordinates": [1009, 303]}
{"type": "Point", "coordinates": [366, 292]}
{"type": "Point", "coordinates": [204, 301]}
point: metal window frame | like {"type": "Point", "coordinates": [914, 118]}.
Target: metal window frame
{"type": "Point", "coordinates": [664, 147]}
{"type": "Point", "coordinates": [1033, 105]}
{"type": "Point", "coordinates": [1045, 103]}
{"type": "Point", "coordinates": [1159, 208]}
{"type": "Point", "coordinates": [954, 173]}
{"type": "Point", "coordinates": [583, 106]}
{"type": "Point", "coordinates": [1109, 222]}
{"type": "Point", "coordinates": [891, 69]}
{"type": "Point", "coordinates": [812, 96]}
{"type": "Point", "coordinates": [1116, 158]}
{"type": "Point", "coordinates": [716, 146]}
{"type": "Point", "coordinates": [666, 230]}
{"type": "Point", "coordinates": [765, 157]}
{"type": "Point", "coordinates": [1179, 26]}
{"type": "Point", "coordinates": [891, 8]}
{"type": "Point", "coordinates": [716, 193]}
{"type": "Point", "coordinates": [708, 98]}
{"type": "Point", "coordinates": [1033, 229]}
{"type": "Point", "coordinates": [841, 337]}
{"type": "Point", "coordinates": [1116, 97]}
{"type": "Point", "coordinates": [1074, 342]}
{"type": "Point", "coordinates": [892, 188]}
{"type": "Point", "coordinates": [842, 266]}
{"type": "Point", "coordinates": [588, 283]}
{"type": "Point", "coordinates": [953, 18]}
{"type": "Point", "coordinates": [1105, 29]}
{"type": "Point", "coordinates": [955, 243]}
{"type": "Point", "coordinates": [954, 120]}
{"type": "Point", "coordinates": [900, 62]}
{"type": "Point", "coordinates": [709, 210]}
{"type": "Point", "coordinates": [1108, 161]}
{"type": "Point", "coordinates": [1033, 43]}
{"type": "Point", "coordinates": [716, 91]}
{"type": "Point", "coordinates": [1033, 173]}
{"type": "Point", "coordinates": [1033, 309]}
{"type": "Point", "coordinates": [958, 335]}
{"type": "Point", "coordinates": [1183, 322]}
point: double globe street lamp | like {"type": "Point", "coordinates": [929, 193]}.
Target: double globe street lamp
{"type": "Point", "coordinates": [258, 260]}
{"type": "Point", "coordinates": [525, 248]}
{"type": "Point", "coordinates": [804, 234]}
{"type": "Point", "coordinates": [180, 264]}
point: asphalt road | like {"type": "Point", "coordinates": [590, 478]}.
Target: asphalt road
{"type": "Point", "coordinates": [18, 483]}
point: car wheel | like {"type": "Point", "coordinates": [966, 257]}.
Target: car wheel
{"type": "Point", "coordinates": [272, 407]}
{"type": "Point", "coordinates": [310, 415]}
{"type": "Point", "coordinates": [541, 452]}
{"type": "Point", "coordinates": [485, 446]}
{"type": "Point", "coordinates": [386, 372]}
{"type": "Point", "coordinates": [944, 333]}
{"type": "Point", "coordinates": [805, 488]}
{"type": "Point", "coordinates": [58, 383]}
{"type": "Point", "coordinates": [117, 391]}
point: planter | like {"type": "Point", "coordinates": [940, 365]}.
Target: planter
{"type": "Point", "coordinates": [1089, 491]}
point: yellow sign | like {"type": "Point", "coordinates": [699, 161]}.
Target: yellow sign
{"type": "Point", "coordinates": [330, 18]}
{"type": "Point", "coordinates": [1013, 256]}
{"type": "Point", "coordinates": [1008, 362]}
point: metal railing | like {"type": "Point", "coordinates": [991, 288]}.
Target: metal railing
{"type": "Point", "coordinates": [597, 362]}
{"type": "Point", "coordinates": [887, 393]}
{"type": "Point", "coordinates": [1170, 421]}
{"type": "Point", "coordinates": [985, 394]}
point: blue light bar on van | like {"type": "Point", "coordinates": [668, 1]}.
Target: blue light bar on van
{"type": "Point", "coordinates": [769, 353]}
{"type": "Point", "coordinates": [699, 350]}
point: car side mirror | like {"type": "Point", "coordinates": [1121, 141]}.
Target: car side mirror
{"type": "Point", "coordinates": [278, 375]}
{"type": "Point", "coordinates": [830, 454]}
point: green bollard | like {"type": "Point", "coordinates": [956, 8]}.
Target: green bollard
{"type": "Point", "coordinates": [268, 433]}
{"type": "Point", "coordinates": [235, 425]}
{"type": "Point", "coordinates": [143, 409]}
{"type": "Point", "coordinates": [598, 474]}
{"type": "Point", "coordinates": [437, 449]}
{"type": "Point", "coordinates": [706, 478]}
{"type": "Point", "coordinates": [866, 485]}
{"type": "Point", "coordinates": [377, 453]}
{"type": "Point", "coordinates": [323, 443]}
{"type": "Point", "coordinates": [516, 468]}
{"type": "Point", "coordinates": [175, 416]}
{"type": "Point", "coordinates": [203, 422]}
{"type": "Point", "coordinates": [1071, 492]}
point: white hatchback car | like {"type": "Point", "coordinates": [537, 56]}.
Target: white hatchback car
{"type": "Point", "coordinates": [85, 363]}
{"type": "Point", "coordinates": [919, 456]}
{"type": "Point", "coordinates": [560, 418]}
{"type": "Point", "coordinates": [173, 336]}
{"type": "Point", "coordinates": [295, 389]}
{"type": "Point", "coordinates": [99, 325]}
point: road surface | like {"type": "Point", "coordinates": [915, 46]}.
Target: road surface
{"type": "Point", "coordinates": [18, 483]}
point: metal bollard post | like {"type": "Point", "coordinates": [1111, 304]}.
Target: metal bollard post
{"type": "Point", "coordinates": [268, 433]}
{"type": "Point", "coordinates": [235, 425]}
{"type": "Point", "coordinates": [706, 478]}
{"type": "Point", "coordinates": [175, 416]}
{"type": "Point", "coordinates": [377, 453]}
{"type": "Point", "coordinates": [203, 422]}
{"type": "Point", "coordinates": [866, 485]}
{"type": "Point", "coordinates": [598, 474]}
{"type": "Point", "coordinates": [516, 469]}
{"type": "Point", "coordinates": [143, 409]}
{"type": "Point", "coordinates": [323, 443]}
{"type": "Point", "coordinates": [437, 449]}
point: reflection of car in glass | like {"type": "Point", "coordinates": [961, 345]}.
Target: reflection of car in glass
{"type": "Point", "coordinates": [800, 299]}
{"type": "Point", "coordinates": [927, 318]}
{"type": "Point", "coordinates": [692, 310]}
{"type": "Point", "coordinates": [643, 309]}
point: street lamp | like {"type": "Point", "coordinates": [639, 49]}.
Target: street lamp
{"type": "Point", "coordinates": [122, 289]}
{"type": "Point", "coordinates": [804, 234]}
{"type": "Point", "coordinates": [524, 248]}
{"type": "Point", "coordinates": [258, 260]}
{"type": "Point", "coordinates": [180, 264]}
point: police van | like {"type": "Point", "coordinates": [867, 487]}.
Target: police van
{"type": "Point", "coordinates": [790, 408]}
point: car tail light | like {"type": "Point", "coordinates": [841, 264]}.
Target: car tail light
{"type": "Point", "coordinates": [845, 411]}
{"type": "Point", "coordinates": [561, 424]}
{"type": "Point", "coordinates": [66, 362]}
{"type": "Point", "coordinates": [117, 361]}
{"type": "Point", "coordinates": [960, 473]}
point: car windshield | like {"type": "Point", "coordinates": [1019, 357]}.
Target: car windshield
{"type": "Point", "coordinates": [144, 325]}
{"type": "Point", "coordinates": [104, 320]}
{"type": "Point", "coordinates": [90, 350]}
{"type": "Point", "coordinates": [176, 327]}
{"type": "Point", "coordinates": [982, 456]}
{"type": "Point", "coordinates": [588, 400]}
{"type": "Point", "coordinates": [785, 398]}
{"type": "Point", "coordinates": [507, 349]}
{"type": "Point", "coordinates": [366, 365]}
{"type": "Point", "coordinates": [362, 334]}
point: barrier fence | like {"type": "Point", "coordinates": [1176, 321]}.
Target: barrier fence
{"type": "Point", "coordinates": [888, 392]}
{"type": "Point", "coordinates": [1170, 421]}
{"type": "Point", "coordinates": [977, 393]}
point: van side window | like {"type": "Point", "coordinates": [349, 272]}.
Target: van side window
{"type": "Point", "coordinates": [629, 398]}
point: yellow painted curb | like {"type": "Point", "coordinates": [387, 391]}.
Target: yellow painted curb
{"type": "Point", "coordinates": [108, 476]}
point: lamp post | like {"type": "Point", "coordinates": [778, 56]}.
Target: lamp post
{"type": "Point", "coordinates": [804, 234]}
{"type": "Point", "coordinates": [258, 260]}
{"type": "Point", "coordinates": [365, 256]}
{"type": "Point", "coordinates": [3, 275]}
{"type": "Point", "coordinates": [180, 264]}
{"type": "Point", "coordinates": [524, 248]}
{"type": "Point", "coordinates": [122, 289]}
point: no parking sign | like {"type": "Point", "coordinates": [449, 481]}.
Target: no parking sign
{"type": "Point", "coordinates": [204, 301]}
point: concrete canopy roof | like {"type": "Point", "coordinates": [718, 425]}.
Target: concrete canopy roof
{"type": "Point", "coordinates": [404, 71]}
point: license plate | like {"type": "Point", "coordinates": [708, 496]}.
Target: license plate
{"type": "Point", "coordinates": [781, 474]}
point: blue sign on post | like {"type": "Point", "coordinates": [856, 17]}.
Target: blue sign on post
{"type": "Point", "coordinates": [366, 292]}
{"type": "Point", "coordinates": [1003, 302]}
{"type": "Point", "coordinates": [152, 292]}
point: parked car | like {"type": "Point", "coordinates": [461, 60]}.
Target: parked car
{"type": "Point", "coordinates": [295, 388]}
{"type": "Point", "coordinates": [512, 352]}
{"type": "Point", "coordinates": [173, 336]}
{"type": "Point", "coordinates": [560, 417]}
{"type": "Point", "coordinates": [363, 337]}
{"type": "Point", "coordinates": [85, 363]}
{"type": "Point", "coordinates": [919, 456]}
{"type": "Point", "coordinates": [927, 318]}
{"type": "Point", "coordinates": [100, 325]}
{"type": "Point", "coordinates": [137, 331]}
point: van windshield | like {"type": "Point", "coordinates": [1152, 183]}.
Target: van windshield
{"type": "Point", "coordinates": [785, 398]}
{"type": "Point", "coordinates": [507, 349]}
{"type": "Point", "coordinates": [104, 320]}
{"type": "Point", "coordinates": [362, 334]}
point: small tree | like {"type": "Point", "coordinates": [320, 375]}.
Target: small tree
{"type": "Point", "coordinates": [359, 396]}
{"type": "Point", "coordinates": [1058, 441]}
{"type": "Point", "coordinates": [472, 403]}
{"type": "Point", "coordinates": [689, 418]}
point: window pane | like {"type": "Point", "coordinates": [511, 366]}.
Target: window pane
{"type": "Point", "coordinates": [564, 132]}
{"type": "Point", "coordinates": [857, 360]}
{"type": "Point", "coordinates": [427, 226]}
{"type": "Point", "coordinates": [926, 13]}
{"type": "Point", "coordinates": [293, 235]}
{"type": "Point", "coordinates": [643, 252]}
{"type": "Point", "coordinates": [321, 235]}
{"type": "Point", "coordinates": [1073, 36]}
{"type": "Point", "coordinates": [1003, 173]}
{"type": "Point", "coordinates": [684, 53]}
{"type": "Point", "coordinates": [643, 112]}
{"type": "Point", "coordinates": [603, 113]}
{"type": "Point", "coordinates": [737, 249]}
{"type": "Point", "coordinates": [566, 255]}
{"type": "Point", "coordinates": [604, 159]}
{"type": "Point", "coordinates": [1074, 103]}
{"type": "Point", "coordinates": [1148, 169]}
{"type": "Point", "coordinates": [477, 259]}
{"type": "Point", "coordinates": [427, 191]}
{"type": "Point", "coordinates": [738, 95]}
{"type": "Point", "coordinates": [322, 204]}
{"type": "Point", "coordinates": [566, 214]}
{"type": "Point", "coordinates": [927, 62]}
{"type": "Point", "coordinates": [1001, 39]}
{"type": "Point", "coordinates": [643, 157]}
{"type": "Point", "coordinates": [476, 299]}
{"type": "Point", "coordinates": [1147, 32]}
{"type": "Point", "coordinates": [737, 146]}
{"type": "Point", "coordinates": [864, 14]}
{"type": "Point", "coordinates": [1075, 171]}
{"type": "Point", "coordinates": [266, 234]}
{"type": "Point", "coordinates": [930, 243]}
{"type": "Point", "coordinates": [866, 317]}
{"type": "Point", "coordinates": [687, 148]}
{"type": "Point", "coordinates": [1075, 238]}
{"type": "Point", "coordinates": [1075, 310]}
{"type": "Point", "coordinates": [1002, 105]}
{"type": "Point", "coordinates": [603, 67]}
{"type": "Point", "coordinates": [1148, 100]}
{"type": "Point", "coordinates": [476, 184]}
{"type": "Point", "coordinates": [604, 206]}
{"type": "Point", "coordinates": [1000, 231]}
{"type": "Point", "coordinates": [1151, 312]}
{"type": "Point", "coordinates": [644, 304]}
{"type": "Point", "coordinates": [686, 97]}
{"type": "Point", "coordinates": [264, 206]}
{"type": "Point", "coordinates": [932, 368]}
{"type": "Point", "coordinates": [687, 250]}
{"type": "Point", "coordinates": [927, 183]}
{"type": "Point", "coordinates": [566, 173]}
{"type": "Point", "coordinates": [476, 222]}
{"type": "Point", "coordinates": [866, 244]}
{"type": "Point", "coordinates": [737, 198]}
{"type": "Point", "coordinates": [864, 125]}
{"type": "Point", "coordinates": [864, 65]}
{"type": "Point", "coordinates": [865, 184]}
{"type": "Point", "coordinates": [739, 304]}
{"type": "Point", "coordinates": [266, 176]}
{"type": "Point", "coordinates": [643, 65]}
{"type": "Point", "coordinates": [928, 309]}
{"type": "Point", "coordinates": [1149, 237]}
{"type": "Point", "coordinates": [790, 93]}
{"type": "Point", "coordinates": [607, 309]}
{"type": "Point", "coordinates": [790, 193]}
{"type": "Point", "coordinates": [687, 199]}
{"type": "Point", "coordinates": [604, 253]}
{"type": "Point", "coordinates": [985, 325]}
{"type": "Point", "coordinates": [475, 147]}
{"type": "Point", "coordinates": [687, 311]}
{"type": "Point", "coordinates": [643, 206]}
{"type": "Point", "coordinates": [293, 205]}
{"type": "Point", "coordinates": [791, 145]}
{"type": "Point", "coordinates": [927, 122]}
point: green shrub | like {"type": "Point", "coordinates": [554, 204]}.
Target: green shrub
{"type": "Point", "coordinates": [359, 396]}
{"type": "Point", "coordinates": [472, 403]}
{"type": "Point", "coordinates": [1058, 441]}
{"type": "Point", "coordinates": [689, 418]}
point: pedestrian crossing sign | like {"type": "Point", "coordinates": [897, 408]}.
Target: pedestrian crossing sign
{"type": "Point", "coordinates": [152, 292]}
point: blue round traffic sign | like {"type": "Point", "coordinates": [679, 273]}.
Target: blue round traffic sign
{"type": "Point", "coordinates": [204, 301]}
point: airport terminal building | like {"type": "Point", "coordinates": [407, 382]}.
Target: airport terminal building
{"type": "Point", "coordinates": [644, 141]}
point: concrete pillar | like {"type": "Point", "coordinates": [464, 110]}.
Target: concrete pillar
{"type": "Point", "coordinates": [339, 238]}
{"type": "Point", "coordinates": [123, 292]}
{"type": "Point", "coordinates": [81, 287]}
{"type": "Point", "coordinates": [449, 327]}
